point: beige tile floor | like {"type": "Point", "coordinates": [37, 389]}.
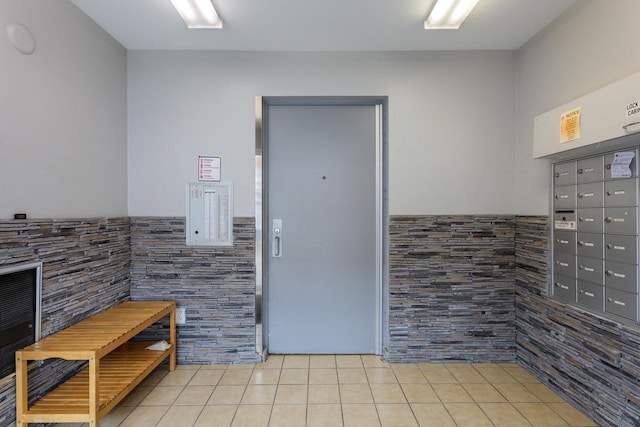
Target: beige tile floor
{"type": "Point", "coordinates": [346, 391]}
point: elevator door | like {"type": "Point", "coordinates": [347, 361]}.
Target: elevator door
{"type": "Point", "coordinates": [322, 229]}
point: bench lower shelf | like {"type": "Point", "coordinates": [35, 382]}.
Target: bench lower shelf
{"type": "Point", "coordinates": [119, 373]}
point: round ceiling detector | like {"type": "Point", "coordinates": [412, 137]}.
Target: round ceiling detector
{"type": "Point", "coordinates": [21, 38]}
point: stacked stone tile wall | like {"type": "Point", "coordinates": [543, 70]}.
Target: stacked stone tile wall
{"type": "Point", "coordinates": [592, 362]}
{"type": "Point", "coordinates": [216, 286]}
{"type": "Point", "coordinates": [85, 270]}
{"type": "Point", "coordinates": [451, 289]}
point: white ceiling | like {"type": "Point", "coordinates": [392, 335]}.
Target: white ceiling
{"type": "Point", "coordinates": [322, 25]}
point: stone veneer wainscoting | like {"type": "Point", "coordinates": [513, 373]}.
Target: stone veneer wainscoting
{"type": "Point", "coordinates": [85, 271]}
{"type": "Point", "coordinates": [451, 298]}
{"type": "Point", "coordinates": [592, 362]}
{"type": "Point", "coordinates": [216, 285]}
{"type": "Point", "coordinates": [451, 289]}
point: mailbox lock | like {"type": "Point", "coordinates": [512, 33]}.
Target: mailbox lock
{"type": "Point", "coordinates": [581, 291]}
{"type": "Point", "coordinates": [557, 174]}
{"type": "Point", "coordinates": [580, 171]}
{"type": "Point", "coordinates": [609, 273]}
{"type": "Point", "coordinates": [557, 196]}
{"type": "Point", "coordinates": [609, 246]}
{"type": "Point", "coordinates": [580, 195]}
{"type": "Point", "coordinates": [580, 267]}
{"type": "Point", "coordinates": [557, 284]}
{"type": "Point", "coordinates": [610, 299]}
{"type": "Point", "coordinates": [581, 219]}
{"type": "Point", "coordinates": [581, 243]}
{"type": "Point", "coordinates": [608, 166]}
{"type": "Point", "coordinates": [608, 219]}
{"type": "Point", "coordinates": [608, 192]}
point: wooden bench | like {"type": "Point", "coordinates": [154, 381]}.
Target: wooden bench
{"type": "Point", "coordinates": [116, 365]}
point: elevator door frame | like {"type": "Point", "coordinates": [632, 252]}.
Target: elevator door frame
{"type": "Point", "coordinates": [262, 104]}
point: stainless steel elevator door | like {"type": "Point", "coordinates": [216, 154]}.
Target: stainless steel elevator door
{"type": "Point", "coordinates": [322, 253]}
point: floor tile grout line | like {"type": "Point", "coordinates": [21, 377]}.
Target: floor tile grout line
{"type": "Point", "coordinates": [235, 414]}
{"type": "Point", "coordinates": [415, 418]}
{"type": "Point", "coordinates": [375, 404]}
{"type": "Point", "coordinates": [339, 392]}
{"type": "Point", "coordinates": [521, 381]}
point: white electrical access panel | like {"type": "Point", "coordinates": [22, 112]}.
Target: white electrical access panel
{"type": "Point", "coordinates": [209, 214]}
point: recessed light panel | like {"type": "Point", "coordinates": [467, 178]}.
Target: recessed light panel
{"type": "Point", "coordinates": [198, 13]}
{"type": "Point", "coordinates": [449, 14]}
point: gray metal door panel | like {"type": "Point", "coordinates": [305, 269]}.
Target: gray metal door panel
{"type": "Point", "coordinates": [564, 288]}
{"type": "Point", "coordinates": [621, 220]}
{"type": "Point", "coordinates": [621, 276]}
{"type": "Point", "coordinates": [322, 287]}
{"type": "Point", "coordinates": [621, 248]}
{"type": "Point", "coordinates": [564, 174]}
{"type": "Point", "coordinates": [590, 195]}
{"type": "Point", "coordinates": [590, 269]}
{"type": "Point", "coordinates": [590, 245]}
{"type": "Point", "coordinates": [590, 220]}
{"type": "Point", "coordinates": [622, 303]}
{"type": "Point", "coordinates": [565, 242]}
{"type": "Point", "coordinates": [565, 265]}
{"type": "Point", "coordinates": [590, 170]}
{"type": "Point", "coordinates": [623, 192]}
{"type": "Point", "coordinates": [565, 197]}
{"type": "Point", "coordinates": [591, 295]}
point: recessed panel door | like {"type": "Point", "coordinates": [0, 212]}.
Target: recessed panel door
{"type": "Point", "coordinates": [322, 229]}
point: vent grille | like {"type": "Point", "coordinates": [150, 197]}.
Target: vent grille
{"type": "Point", "coordinates": [18, 291]}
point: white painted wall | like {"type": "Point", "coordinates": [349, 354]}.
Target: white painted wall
{"type": "Point", "coordinates": [62, 115]}
{"type": "Point", "coordinates": [451, 122]}
{"type": "Point", "coordinates": [593, 44]}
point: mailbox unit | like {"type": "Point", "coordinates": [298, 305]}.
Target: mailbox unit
{"type": "Point", "coordinates": [595, 233]}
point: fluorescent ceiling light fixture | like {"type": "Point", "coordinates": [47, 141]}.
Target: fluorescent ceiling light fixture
{"type": "Point", "coordinates": [449, 14]}
{"type": "Point", "coordinates": [198, 13]}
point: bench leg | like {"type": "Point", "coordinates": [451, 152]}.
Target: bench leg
{"type": "Point", "coordinates": [94, 391]}
{"type": "Point", "coordinates": [22, 389]}
{"type": "Point", "coordinates": [172, 340]}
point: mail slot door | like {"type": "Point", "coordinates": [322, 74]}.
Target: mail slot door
{"type": "Point", "coordinates": [621, 220]}
{"type": "Point", "coordinates": [590, 195]}
{"type": "Point", "coordinates": [621, 276]}
{"type": "Point", "coordinates": [590, 170]}
{"type": "Point", "coordinates": [564, 288]}
{"type": "Point", "coordinates": [624, 304]}
{"type": "Point", "coordinates": [564, 219]}
{"type": "Point", "coordinates": [623, 192]}
{"type": "Point", "coordinates": [564, 264]}
{"type": "Point", "coordinates": [610, 170]}
{"type": "Point", "coordinates": [589, 245]}
{"type": "Point", "coordinates": [590, 220]}
{"type": "Point", "coordinates": [564, 242]}
{"type": "Point", "coordinates": [590, 269]}
{"type": "Point", "coordinates": [564, 197]}
{"type": "Point", "coordinates": [591, 295]}
{"type": "Point", "coordinates": [564, 174]}
{"type": "Point", "coordinates": [621, 248]}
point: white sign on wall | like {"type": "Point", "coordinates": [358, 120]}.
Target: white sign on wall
{"type": "Point", "coordinates": [633, 108]}
{"type": "Point", "coordinates": [209, 168]}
